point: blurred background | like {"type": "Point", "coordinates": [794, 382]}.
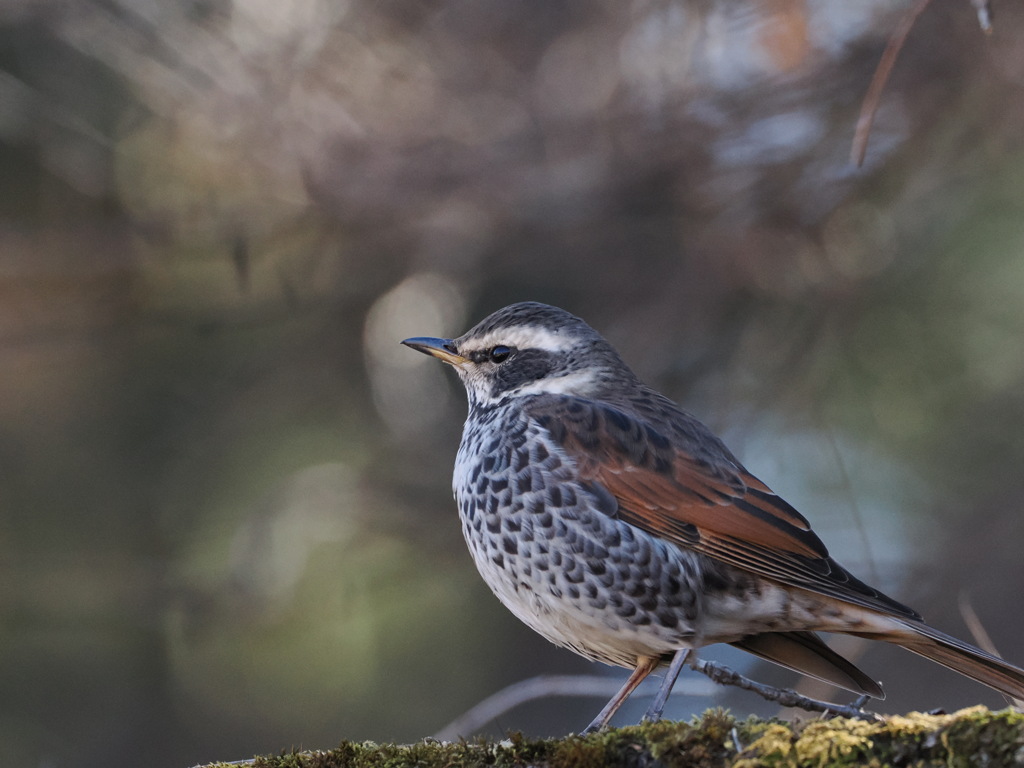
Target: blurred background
{"type": "Point", "coordinates": [226, 524]}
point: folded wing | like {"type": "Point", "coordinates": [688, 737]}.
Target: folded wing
{"type": "Point", "coordinates": [671, 477]}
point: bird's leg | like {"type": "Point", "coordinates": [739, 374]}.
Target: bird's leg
{"type": "Point", "coordinates": [654, 711]}
{"type": "Point", "coordinates": [644, 666]}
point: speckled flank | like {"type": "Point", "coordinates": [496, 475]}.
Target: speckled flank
{"type": "Point", "coordinates": [579, 577]}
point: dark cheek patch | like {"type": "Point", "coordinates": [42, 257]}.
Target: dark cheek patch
{"type": "Point", "coordinates": [525, 366]}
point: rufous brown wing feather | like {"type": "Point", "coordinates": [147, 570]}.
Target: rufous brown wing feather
{"type": "Point", "coordinates": [706, 502]}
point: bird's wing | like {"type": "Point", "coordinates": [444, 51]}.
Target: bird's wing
{"type": "Point", "coordinates": [676, 480]}
{"type": "Point", "coordinates": [806, 653]}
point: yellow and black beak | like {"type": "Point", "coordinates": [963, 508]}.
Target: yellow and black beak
{"type": "Point", "coordinates": [442, 349]}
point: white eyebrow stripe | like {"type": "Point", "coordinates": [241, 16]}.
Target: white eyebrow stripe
{"type": "Point", "coordinates": [527, 337]}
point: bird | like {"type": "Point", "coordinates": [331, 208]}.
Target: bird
{"type": "Point", "coordinates": [617, 525]}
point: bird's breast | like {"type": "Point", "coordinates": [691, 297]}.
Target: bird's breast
{"type": "Point", "coordinates": [574, 573]}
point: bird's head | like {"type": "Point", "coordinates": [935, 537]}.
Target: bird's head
{"type": "Point", "coordinates": [528, 349]}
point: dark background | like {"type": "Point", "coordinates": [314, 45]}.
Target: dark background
{"type": "Point", "coordinates": [225, 515]}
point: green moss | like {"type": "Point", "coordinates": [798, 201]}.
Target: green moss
{"type": "Point", "coordinates": [971, 738]}
{"type": "Point", "coordinates": [986, 739]}
{"type": "Point", "coordinates": [966, 739]}
{"type": "Point", "coordinates": [706, 741]}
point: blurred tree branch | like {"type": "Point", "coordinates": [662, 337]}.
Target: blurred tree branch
{"type": "Point", "coordinates": [892, 49]}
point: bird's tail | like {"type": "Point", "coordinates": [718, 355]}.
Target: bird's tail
{"type": "Point", "coordinates": [961, 657]}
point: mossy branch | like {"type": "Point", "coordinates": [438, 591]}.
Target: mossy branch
{"type": "Point", "coordinates": [971, 737]}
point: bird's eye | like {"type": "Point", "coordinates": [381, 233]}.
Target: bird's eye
{"type": "Point", "coordinates": [500, 353]}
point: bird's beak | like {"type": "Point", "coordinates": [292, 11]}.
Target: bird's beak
{"type": "Point", "coordinates": [442, 349]}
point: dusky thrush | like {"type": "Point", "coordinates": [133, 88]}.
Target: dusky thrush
{"type": "Point", "coordinates": [618, 526]}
